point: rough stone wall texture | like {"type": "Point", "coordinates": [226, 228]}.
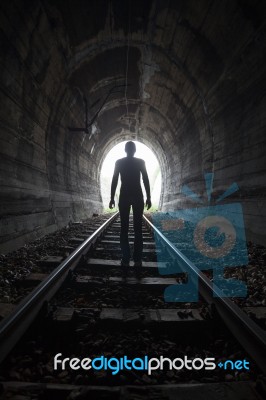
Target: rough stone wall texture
{"type": "Point", "coordinates": [196, 95]}
{"type": "Point", "coordinates": [47, 175]}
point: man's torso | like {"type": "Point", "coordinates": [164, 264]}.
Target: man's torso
{"type": "Point", "coordinates": [130, 170]}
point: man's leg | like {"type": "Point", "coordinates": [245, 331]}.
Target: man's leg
{"type": "Point", "coordinates": [124, 209]}
{"type": "Point", "coordinates": [138, 206]}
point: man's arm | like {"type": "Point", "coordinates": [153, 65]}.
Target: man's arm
{"type": "Point", "coordinates": [146, 185]}
{"type": "Point", "coordinates": [114, 185]}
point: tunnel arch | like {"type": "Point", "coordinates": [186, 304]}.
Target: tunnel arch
{"type": "Point", "coordinates": [206, 135]}
{"type": "Point", "coordinates": [172, 60]}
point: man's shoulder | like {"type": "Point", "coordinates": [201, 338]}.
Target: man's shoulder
{"type": "Point", "coordinates": [120, 160]}
{"type": "Point", "coordinates": [126, 160]}
{"type": "Point", "coordinates": [139, 160]}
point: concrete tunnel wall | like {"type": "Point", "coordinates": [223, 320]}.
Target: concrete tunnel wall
{"type": "Point", "coordinates": [196, 96]}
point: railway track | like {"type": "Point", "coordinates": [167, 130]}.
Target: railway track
{"type": "Point", "coordinates": [89, 306]}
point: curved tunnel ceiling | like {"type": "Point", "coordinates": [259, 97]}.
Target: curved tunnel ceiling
{"type": "Point", "coordinates": [171, 54]}
{"type": "Point", "coordinates": [168, 63]}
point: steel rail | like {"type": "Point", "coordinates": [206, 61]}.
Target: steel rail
{"type": "Point", "coordinates": [16, 323]}
{"type": "Point", "coordinates": [245, 330]}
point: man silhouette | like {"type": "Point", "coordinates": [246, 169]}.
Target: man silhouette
{"type": "Point", "coordinates": [131, 194]}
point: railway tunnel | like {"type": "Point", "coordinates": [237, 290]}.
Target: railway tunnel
{"type": "Point", "coordinates": [185, 78]}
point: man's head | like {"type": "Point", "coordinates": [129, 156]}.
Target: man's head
{"type": "Point", "coordinates": [130, 149]}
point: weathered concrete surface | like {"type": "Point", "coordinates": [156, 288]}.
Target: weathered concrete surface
{"type": "Point", "coordinates": [197, 79]}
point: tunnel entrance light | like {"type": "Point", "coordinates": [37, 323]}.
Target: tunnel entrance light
{"type": "Point", "coordinates": [152, 166]}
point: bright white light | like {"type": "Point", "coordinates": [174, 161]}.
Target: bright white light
{"type": "Point", "coordinates": [152, 166]}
